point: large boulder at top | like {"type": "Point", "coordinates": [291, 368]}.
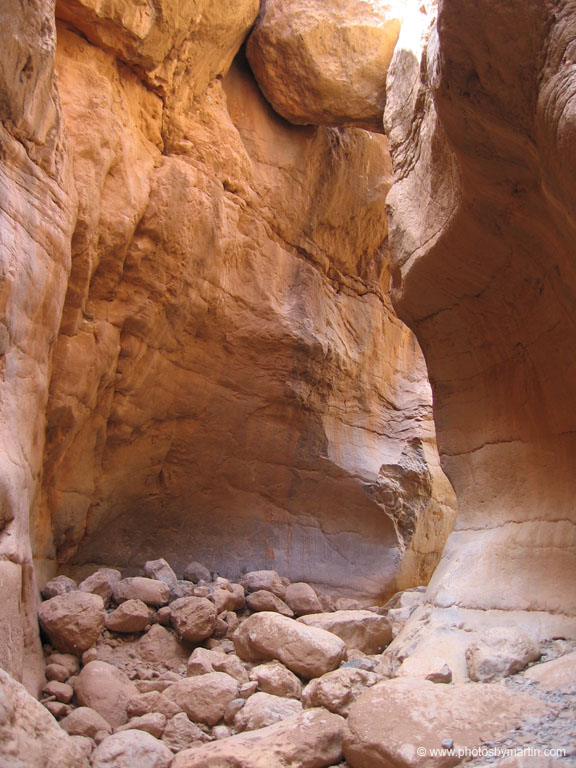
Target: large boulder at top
{"type": "Point", "coordinates": [307, 651]}
{"type": "Point", "coordinates": [73, 621]}
{"type": "Point", "coordinates": [29, 735]}
{"type": "Point", "coordinates": [398, 722]}
{"type": "Point", "coordinates": [325, 63]}
{"type": "Point", "coordinates": [312, 739]}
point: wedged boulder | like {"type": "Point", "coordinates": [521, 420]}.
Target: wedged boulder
{"type": "Point", "coordinates": [150, 591]}
{"type": "Point", "coordinates": [204, 698]}
{"type": "Point", "coordinates": [398, 722]}
{"type": "Point", "coordinates": [29, 735]}
{"type": "Point", "coordinates": [105, 689]}
{"type": "Point", "coordinates": [73, 621]}
{"type": "Point", "coordinates": [338, 690]}
{"type": "Point", "coordinates": [499, 652]}
{"type": "Point", "coordinates": [84, 721]}
{"type": "Point", "coordinates": [263, 600]}
{"type": "Point", "coordinates": [364, 630]}
{"type": "Point", "coordinates": [131, 616]}
{"type": "Point", "coordinates": [276, 679]}
{"type": "Point", "coordinates": [127, 749]}
{"type": "Point", "coordinates": [69, 661]}
{"type": "Point", "coordinates": [312, 739]}
{"type": "Point", "coordinates": [302, 599]}
{"type": "Point", "coordinates": [162, 571]}
{"type": "Point", "coordinates": [264, 709]}
{"type": "Point", "coordinates": [307, 651]}
{"type": "Point", "coordinates": [325, 63]}
{"type": "Point", "coordinates": [193, 618]}
{"type": "Point", "coordinates": [254, 581]}
{"type": "Point", "coordinates": [101, 582]}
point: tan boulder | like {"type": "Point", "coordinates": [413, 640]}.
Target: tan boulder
{"type": "Point", "coordinates": [204, 698]}
{"type": "Point", "coordinates": [29, 735]}
{"type": "Point", "coordinates": [338, 690]}
{"type": "Point", "coordinates": [264, 709]}
{"type": "Point", "coordinates": [73, 621]}
{"type": "Point", "coordinates": [364, 630]}
{"type": "Point", "coordinates": [312, 739]}
{"type": "Point", "coordinates": [130, 616]}
{"type": "Point", "coordinates": [150, 591]}
{"type": "Point", "coordinates": [499, 652]}
{"type": "Point", "coordinates": [196, 572]}
{"type": "Point", "coordinates": [56, 672]}
{"type": "Point", "coordinates": [276, 679]}
{"type": "Point", "coordinates": [399, 722]}
{"type": "Point", "coordinates": [263, 600]}
{"type": "Point", "coordinates": [127, 749]}
{"type": "Point", "coordinates": [180, 732]}
{"type": "Point", "coordinates": [325, 63]}
{"type": "Point", "coordinates": [106, 689]}
{"type": "Point", "coordinates": [161, 648]}
{"type": "Point", "coordinates": [84, 721]}
{"type": "Point", "coordinates": [193, 618]}
{"type": "Point", "coordinates": [253, 581]}
{"type": "Point", "coordinates": [307, 651]}
{"type": "Point", "coordinates": [202, 660]}
{"type": "Point", "coordinates": [302, 599]}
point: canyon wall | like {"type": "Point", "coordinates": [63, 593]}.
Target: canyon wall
{"type": "Point", "coordinates": [201, 358]}
{"type": "Point", "coordinates": [483, 226]}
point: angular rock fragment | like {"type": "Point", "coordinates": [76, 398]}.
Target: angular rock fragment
{"type": "Point", "coordinates": [196, 572]}
{"type": "Point", "coordinates": [101, 582]}
{"type": "Point", "coordinates": [130, 616]}
{"type": "Point", "coordinates": [264, 709]}
{"type": "Point", "coordinates": [85, 721]}
{"type": "Point", "coordinates": [338, 690]}
{"type": "Point", "coordinates": [180, 732]}
{"type": "Point", "coordinates": [160, 569]}
{"type": "Point", "coordinates": [204, 698]}
{"type": "Point", "coordinates": [263, 600]}
{"type": "Point", "coordinates": [193, 618]}
{"type": "Point", "coordinates": [268, 580]}
{"type": "Point", "coordinates": [59, 585]}
{"type": "Point", "coordinates": [276, 679]}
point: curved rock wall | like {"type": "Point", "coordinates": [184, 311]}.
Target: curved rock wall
{"type": "Point", "coordinates": [482, 234]}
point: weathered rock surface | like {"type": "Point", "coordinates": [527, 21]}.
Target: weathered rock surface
{"type": "Point", "coordinates": [29, 735]}
{"type": "Point", "coordinates": [262, 600]}
{"type": "Point", "coordinates": [338, 690]}
{"type": "Point", "coordinates": [265, 709]}
{"type": "Point", "coordinates": [204, 698]}
{"type": "Point", "coordinates": [324, 64]}
{"type": "Point", "coordinates": [180, 733]}
{"type": "Point", "coordinates": [84, 721]}
{"type": "Point", "coordinates": [558, 674]}
{"type": "Point", "coordinates": [101, 583]}
{"type": "Point", "coordinates": [105, 689]}
{"type": "Point", "coordinates": [127, 749]}
{"type": "Point", "coordinates": [73, 621]}
{"type": "Point", "coordinates": [161, 648]}
{"type": "Point", "coordinates": [310, 740]}
{"type": "Point", "coordinates": [193, 618]}
{"type": "Point", "coordinates": [398, 722]}
{"type": "Point", "coordinates": [307, 651]}
{"type": "Point", "coordinates": [364, 630]}
{"type": "Point", "coordinates": [302, 599]}
{"type": "Point", "coordinates": [499, 652]}
{"type": "Point", "coordinates": [130, 616]}
{"type": "Point", "coordinates": [160, 569]}
{"type": "Point", "coordinates": [275, 678]}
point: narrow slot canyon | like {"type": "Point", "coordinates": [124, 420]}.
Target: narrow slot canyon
{"type": "Point", "coordinates": [287, 377]}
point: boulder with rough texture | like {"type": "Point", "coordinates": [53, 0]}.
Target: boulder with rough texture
{"type": "Point", "coordinates": [69, 661]}
{"type": "Point", "coordinates": [84, 721]}
{"type": "Point", "coordinates": [29, 735]}
{"type": "Point", "coordinates": [364, 630]}
{"type": "Point", "coordinates": [302, 599]}
{"type": "Point", "coordinates": [196, 572]}
{"type": "Point", "coordinates": [338, 690]}
{"type": "Point", "coordinates": [130, 616]}
{"type": "Point", "coordinates": [310, 740]}
{"type": "Point", "coordinates": [152, 722]}
{"type": "Point", "coordinates": [73, 621]}
{"type": "Point", "coordinates": [180, 732]}
{"type": "Point", "coordinates": [325, 63]}
{"type": "Point", "coordinates": [263, 600]}
{"type": "Point", "coordinates": [264, 709]}
{"type": "Point", "coordinates": [150, 591]}
{"type": "Point", "coordinates": [499, 652]}
{"type": "Point", "coordinates": [160, 648]}
{"type": "Point", "coordinates": [276, 679]}
{"type": "Point", "coordinates": [399, 722]}
{"type": "Point", "coordinates": [193, 618]}
{"type": "Point", "coordinates": [127, 749]}
{"type": "Point", "coordinates": [204, 698]}
{"type": "Point", "coordinates": [161, 570]}
{"type": "Point", "coordinates": [59, 585]}
{"type": "Point", "coordinates": [428, 667]}
{"type": "Point", "coordinates": [153, 701]}
{"type": "Point", "coordinates": [270, 581]}
{"type": "Point", "coordinates": [105, 689]}
{"type": "Point", "coordinates": [101, 582]}
{"type": "Point", "coordinates": [202, 661]}
{"type": "Point", "coordinates": [307, 651]}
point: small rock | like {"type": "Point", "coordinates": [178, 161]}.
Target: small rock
{"type": "Point", "coordinates": [231, 665]}
{"type": "Point", "coordinates": [182, 589]}
{"type": "Point", "coordinates": [57, 708]}
{"type": "Point", "coordinates": [224, 599]}
{"type": "Point", "coordinates": [264, 709]}
{"type": "Point", "coordinates": [160, 647]}
{"type": "Point", "coordinates": [150, 591]}
{"type": "Point", "coordinates": [201, 661]}
{"type": "Point", "coordinates": [193, 618]}
{"type": "Point", "coordinates": [84, 721]}
{"type": "Point", "coordinates": [262, 600]}
{"type": "Point", "coordinates": [247, 689]}
{"type": "Point", "coordinates": [160, 570]}
{"type": "Point", "coordinates": [152, 722]}
{"type": "Point", "coordinates": [131, 748]}
{"type": "Point", "coordinates": [302, 599]}
{"type": "Point", "coordinates": [232, 710]}
{"type": "Point", "coordinates": [61, 691]}
{"type": "Point", "coordinates": [232, 622]}
{"type": "Point", "coordinates": [220, 628]}
{"type": "Point", "coordinates": [162, 616]}
{"type": "Point", "coordinates": [274, 678]}
{"type": "Point", "coordinates": [268, 580]}
{"type": "Point", "coordinates": [90, 655]}
{"type": "Point", "coordinates": [60, 585]}
{"type": "Point", "coordinates": [73, 621]}
{"type": "Point", "coordinates": [131, 616]}
{"type": "Point", "coordinates": [220, 732]}
{"type": "Point", "coordinates": [86, 744]}
{"type": "Point", "coordinates": [433, 668]}
{"type": "Point", "coordinates": [154, 701]}
{"type": "Point", "coordinates": [204, 698]}
{"type": "Point", "coordinates": [179, 733]}
{"type": "Point", "coordinates": [101, 583]}
{"type": "Point", "coordinates": [56, 672]}
{"type": "Point", "coordinates": [67, 660]}
{"type": "Point", "coordinates": [239, 597]}
{"type": "Point", "coordinates": [196, 572]}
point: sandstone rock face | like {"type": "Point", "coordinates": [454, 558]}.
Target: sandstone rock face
{"type": "Point", "coordinates": [310, 740]}
{"type": "Point", "coordinates": [228, 362]}
{"type": "Point", "coordinates": [364, 630]}
{"type": "Point", "coordinates": [29, 733]}
{"type": "Point", "coordinates": [482, 233]}
{"type": "Point", "coordinates": [307, 651]}
{"type": "Point", "coordinates": [393, 720]}
{"type": "Point", "coordinates": [324, 63]}
{"type": "Point", "coordinates": [73, 621]}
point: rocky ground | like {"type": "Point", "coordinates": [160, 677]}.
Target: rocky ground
{"type": "Point", "coordinates": [200, 672]}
